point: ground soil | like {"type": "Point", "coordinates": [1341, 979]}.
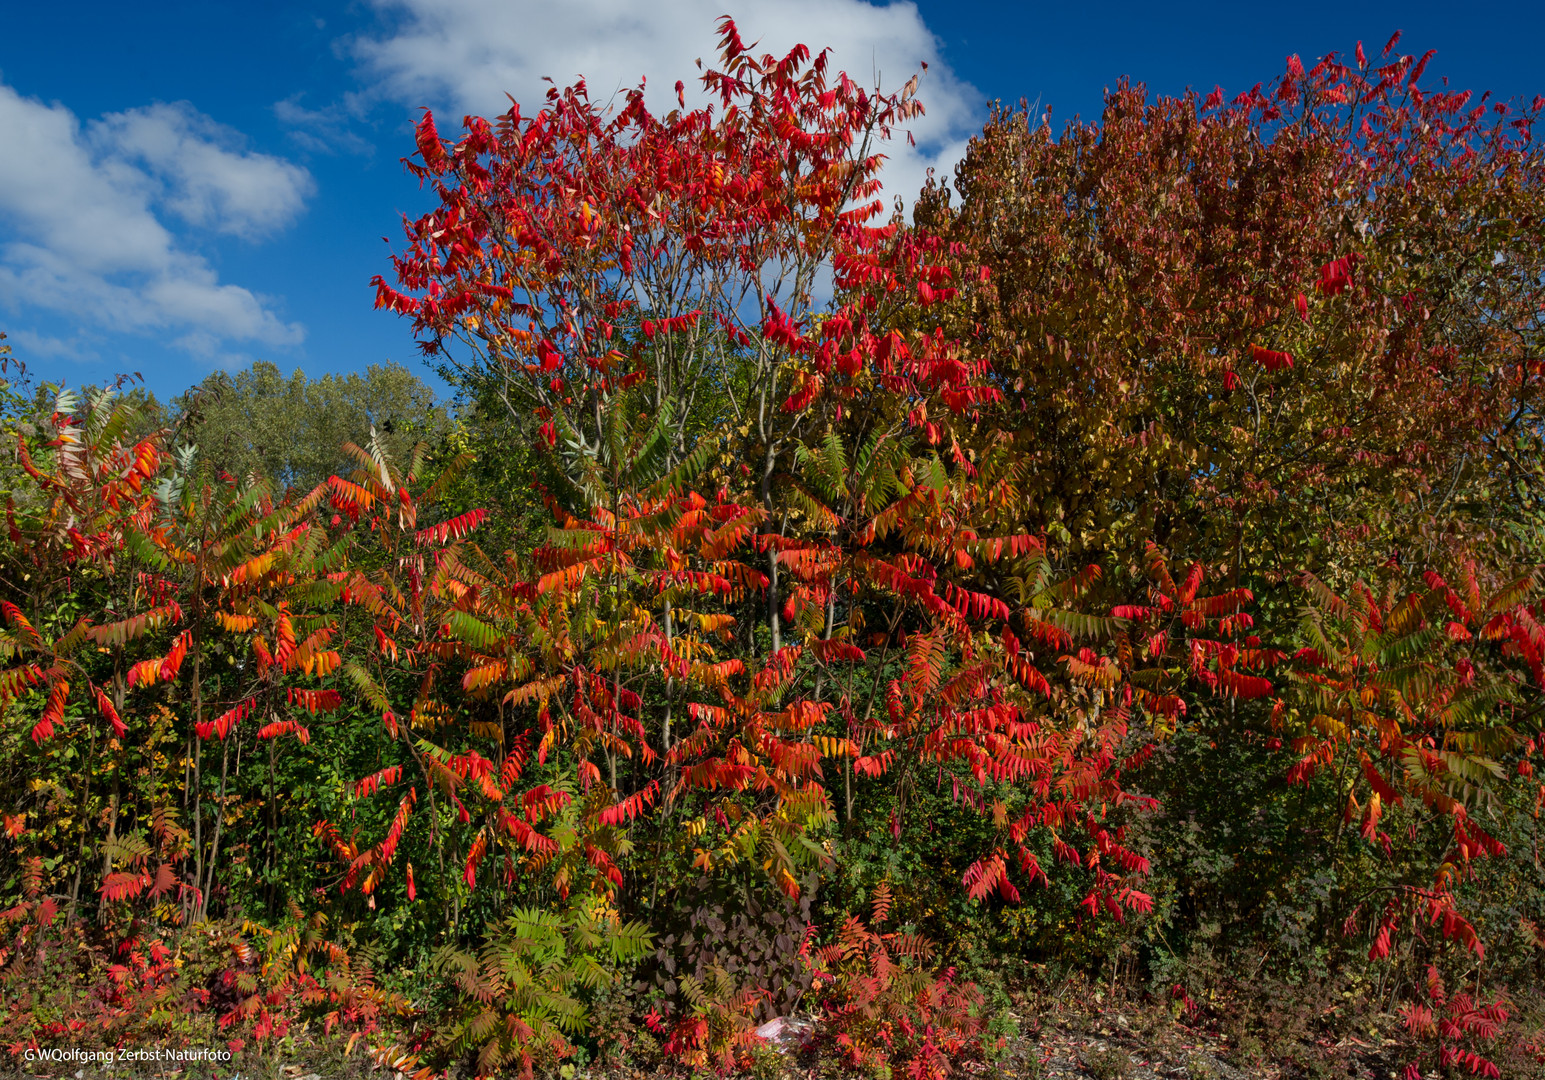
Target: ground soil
{"type": "Point", "coordinates": [1075, 1032]}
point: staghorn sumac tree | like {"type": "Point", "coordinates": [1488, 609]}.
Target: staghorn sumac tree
{"type": "Point", "coordinates": [718, 626]}
{"type": "Point", "coordinates": [607, 268]}
{"type": "Point", "coordinates": [585, 262]}
{"type": "Point", "coordinates": [140, 595]}
{"type": "Point", "coordinates": [145, 616]}
{"type": "Point", "coordinates": [1422, 702]}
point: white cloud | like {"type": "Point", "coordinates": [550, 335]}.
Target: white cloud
{"type": "Point", "coordinates": [469, 53]}
{"type": "Point", "coordinates": [201, 172]}
{"type": "Point", "coordinates": [84, 238]}
{"type": "Point", "coordinates": [321, 131]}
{"type": "Point", "coordinates": [30, 347]}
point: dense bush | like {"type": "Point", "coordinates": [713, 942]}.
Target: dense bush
{"type": "Point", "coordinates": [1133, 568]}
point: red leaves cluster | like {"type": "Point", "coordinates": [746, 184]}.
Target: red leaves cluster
{"type": "Point", "coordinates": [1449, 1021]}
{"type": "Point", "coordinates": [551, 227]}
{"type": "Point", "coordinates": [879, 1006]}
{"type": "Point", "coordinates": [1408, 719]}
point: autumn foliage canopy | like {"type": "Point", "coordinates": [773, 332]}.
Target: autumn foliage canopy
{"type": "Point", "coordinates": [1202, 441]}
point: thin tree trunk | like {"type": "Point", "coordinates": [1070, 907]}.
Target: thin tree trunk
{"type": "Point", "coordinates": [611, 751]}
{"type": "Point", "coordinates": [112, 831]}
{"type": "Point", "coordinates": [273, 842]}
{"type": "Point", "coordinates": [85, 818]}
{"type": "Point", "coordinates": [214, 847]}
{"type": "Point", "coordinates": [198, 818]}
{"type": "Point", "coordinates": [773, 615]}
{"type": "Point", "coordinates": [847, 789]}
{"type": "Point", "coordinates": [670, 684]}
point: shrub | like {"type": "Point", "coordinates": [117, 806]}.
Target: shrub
{"type": "Point", "coordinates": [883, 1008]}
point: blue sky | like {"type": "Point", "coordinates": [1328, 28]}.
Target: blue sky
{"type": "Point", "coordinates": [188, 186]}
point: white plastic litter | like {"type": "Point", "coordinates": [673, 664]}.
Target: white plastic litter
{"type": "Point", "coordinates": [784, 1034]}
